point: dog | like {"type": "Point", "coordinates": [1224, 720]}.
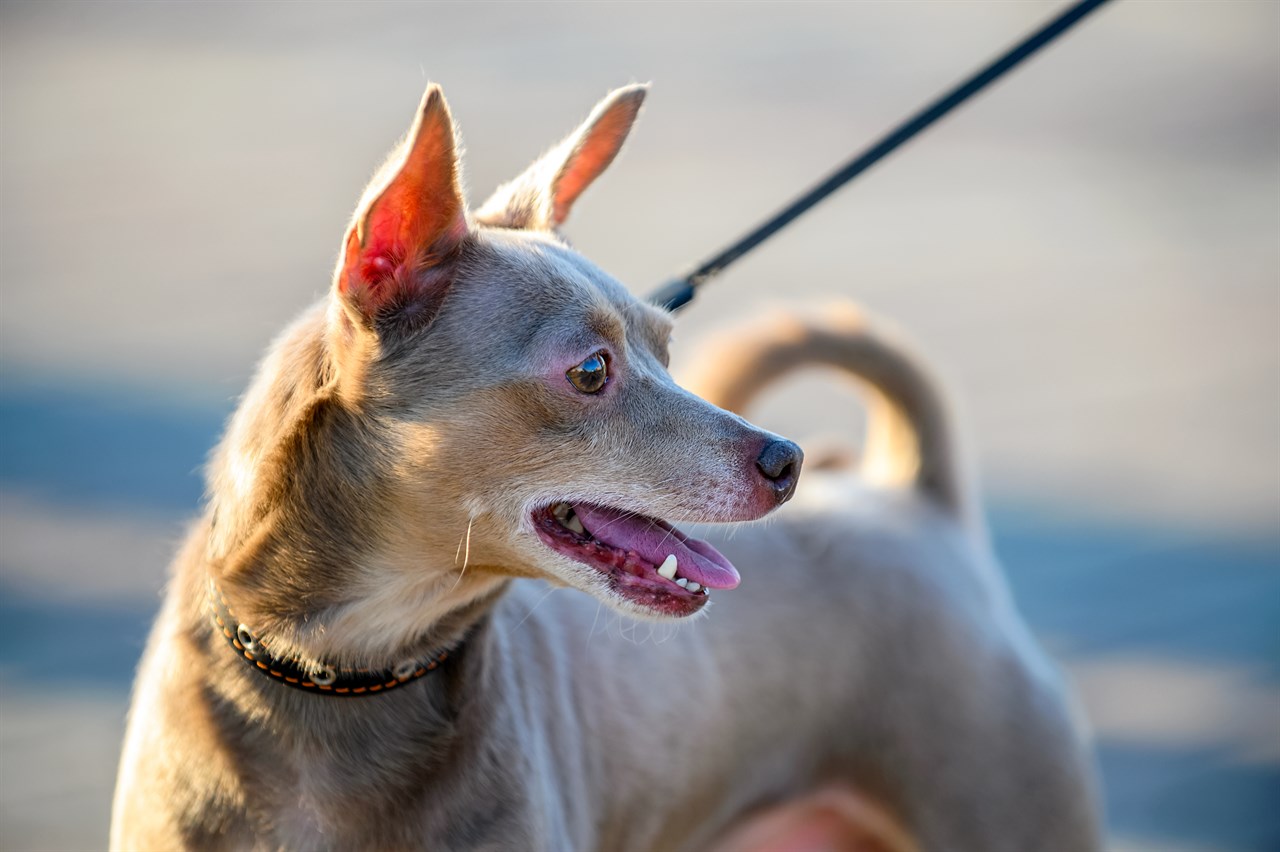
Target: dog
{"type": "Point", "coordinates": [360, 646]}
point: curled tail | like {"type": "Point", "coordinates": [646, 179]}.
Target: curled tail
{"type": "Point", "coordinates": [909, 442]}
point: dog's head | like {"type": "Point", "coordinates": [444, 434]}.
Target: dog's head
{"type": "Point", "coordinates": [503, 406]}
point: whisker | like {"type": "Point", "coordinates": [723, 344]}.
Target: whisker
{"type": "Point", "coordinates": [466, 558]}
{"type": "Point", "coordinates": [591, 634]}
{"type": "Point", "coordinates": [533, 609]}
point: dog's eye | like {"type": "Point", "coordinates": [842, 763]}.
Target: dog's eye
{"type": "Point", "coordinates": [589, 376]}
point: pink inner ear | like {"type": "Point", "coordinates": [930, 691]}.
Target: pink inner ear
{"type": "Point", "coordinates": [414, 221]}
{"type": "Point", "coordinates": [410, 224]}
{"type": "Point", "coordinates": [368, 267]}
{"type": "Point", "coordinates": [378, 268]}
{"type": "Point", "coordinates": [591, 158]}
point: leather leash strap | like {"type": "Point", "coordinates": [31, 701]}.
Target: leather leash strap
{"type": "Point", "coordinates": [679, 292]}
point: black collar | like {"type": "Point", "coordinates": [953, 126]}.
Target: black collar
{"type": "Point", "coordinates": [333, 681]}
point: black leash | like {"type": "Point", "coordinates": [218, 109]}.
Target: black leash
{"type": "Point", "coordinates": [678, 293]}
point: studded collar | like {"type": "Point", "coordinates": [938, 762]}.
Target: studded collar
{"type": "Point", "coordinates": [331, 680]}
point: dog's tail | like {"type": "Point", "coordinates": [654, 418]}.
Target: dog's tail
{"type": "Point", "coordinates": [909, 441]}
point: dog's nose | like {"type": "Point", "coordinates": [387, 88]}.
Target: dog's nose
{"type": "Point", "coordinates": [779, 463]}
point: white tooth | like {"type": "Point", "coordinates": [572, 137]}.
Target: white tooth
{"type": "Point", "coordinates": [682, 582]}
{"type": "Point", "coordinates": [560, 510]}
{"type": "Point", "coordinates": [668, 567]}
{"type": "Point", "coordinates": [576, 525]}
{"type": "Point", "coordinates": [693, 587]}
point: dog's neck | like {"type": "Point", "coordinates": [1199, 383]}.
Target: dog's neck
{"type": "Point", "coordinates": [312, 609]}
{"type": "Point", "coordinates": [310, 756]}
{"type": "Point", "coordinates": [308, 542]}
{"type": "Point", "coordinates": [334, 681]}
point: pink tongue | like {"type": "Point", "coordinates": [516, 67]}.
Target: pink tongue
{"type": "Point", "coordinates": [654, 541]}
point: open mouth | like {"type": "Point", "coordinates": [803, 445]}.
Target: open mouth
{"type": "Point", "coordinates": [646, 560]}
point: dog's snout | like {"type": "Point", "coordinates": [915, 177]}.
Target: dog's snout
{"type": "Point", "coordinates": [779, 463]}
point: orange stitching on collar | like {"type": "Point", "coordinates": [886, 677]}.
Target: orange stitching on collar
{"type": "Point", "coordinates": [258, 645]}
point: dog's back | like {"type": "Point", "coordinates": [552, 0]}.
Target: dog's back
{"type": "Point", "coordinates": [872, 611]}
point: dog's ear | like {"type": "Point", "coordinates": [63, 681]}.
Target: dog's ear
{"type": "Point", "coordinates": [541, 197]}
{"type": "Point", "coordinates": [411, 220]}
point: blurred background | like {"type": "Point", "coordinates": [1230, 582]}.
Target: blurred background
{"type": "Point", "coordinates": [1090, 254]}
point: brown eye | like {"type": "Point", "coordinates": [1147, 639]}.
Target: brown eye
{"type": "Point", "coordinates": [589, 376]}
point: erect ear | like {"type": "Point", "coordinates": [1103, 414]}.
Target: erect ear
{"type": "Point", "coordinates": [541, 197]}
{"type": "Point", "coordinates": [410, 221]}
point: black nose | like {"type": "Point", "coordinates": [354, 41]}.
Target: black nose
{"type": "Point", "coordinates": [779, 462]}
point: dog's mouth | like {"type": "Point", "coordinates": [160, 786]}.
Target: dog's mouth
{"type": "Point", "coordinates": [646, 560]}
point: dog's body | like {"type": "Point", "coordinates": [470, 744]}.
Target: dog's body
{"type": "Point", "coordinates": [390, 486]}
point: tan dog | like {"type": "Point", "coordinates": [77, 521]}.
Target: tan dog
{"type": "Point", "coordinates": [350, 654]}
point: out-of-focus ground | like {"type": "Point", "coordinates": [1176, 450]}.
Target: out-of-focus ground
{"type": "Point", "coordinates": [1090, 254]}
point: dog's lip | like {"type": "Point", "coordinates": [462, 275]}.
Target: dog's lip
{"type": "Point", "coordinates": [631, 575]}
{"type": "Point", "coordinates": [654, 540]}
